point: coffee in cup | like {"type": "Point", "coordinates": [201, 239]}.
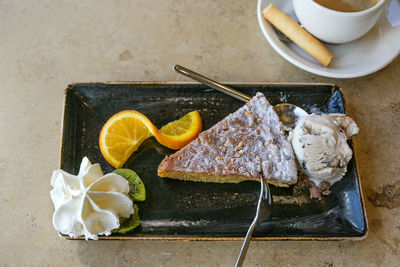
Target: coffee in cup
{"type": "Point", "coordinates": [347, 5]}
{"type": "Point", "coordinates": [321, 19]}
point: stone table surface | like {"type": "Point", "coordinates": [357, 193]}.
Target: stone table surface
{"type": "Point", "coordinates": [45, 45]}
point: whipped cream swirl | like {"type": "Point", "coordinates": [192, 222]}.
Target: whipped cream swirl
{"type": "Point", "coordinates": [90, 203]}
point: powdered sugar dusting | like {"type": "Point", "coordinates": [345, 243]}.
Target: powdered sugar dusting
{"type": "Point", "coordinates": [248, 143]}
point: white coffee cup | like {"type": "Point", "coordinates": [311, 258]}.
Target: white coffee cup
{"type": "Point", "coordinates": [333, 26]}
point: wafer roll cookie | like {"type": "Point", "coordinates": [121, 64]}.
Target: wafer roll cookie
{"type": "Point", "coordinates": [298, 35]}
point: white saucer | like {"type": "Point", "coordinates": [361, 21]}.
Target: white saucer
{"type": "Point", "coordinates": [370, 53]}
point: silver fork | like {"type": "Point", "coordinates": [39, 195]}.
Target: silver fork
{"type": "Point", "coordinates": [264, 209]}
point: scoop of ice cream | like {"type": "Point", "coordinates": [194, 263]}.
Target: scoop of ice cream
{"type": "Point", "coordinates": [321, 148]}
{"type": "Point", "coordinates": [90, 203]}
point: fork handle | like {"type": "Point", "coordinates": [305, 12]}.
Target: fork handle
{"type": "Point", "coordinates": [246, 243]}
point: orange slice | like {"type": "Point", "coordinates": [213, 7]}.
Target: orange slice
{"type": "Point", "coordinates": [124, 132]}
{"type": "Point", "coordinates": [179, 133]}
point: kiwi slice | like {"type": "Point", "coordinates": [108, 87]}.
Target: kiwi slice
{"type": "Point", "coordinates": [128, 224]}
{"type": "Point", "coordinates": [137, 191]}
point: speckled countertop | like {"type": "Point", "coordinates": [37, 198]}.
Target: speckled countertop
{"type": "Point", "coordinates": [45, 45]}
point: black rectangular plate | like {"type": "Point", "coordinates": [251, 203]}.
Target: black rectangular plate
{"type": "Point", "coordinates": [208, 211]}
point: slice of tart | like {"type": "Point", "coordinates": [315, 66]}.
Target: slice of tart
{"type": "Point", "coordinates": [246, 145]}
